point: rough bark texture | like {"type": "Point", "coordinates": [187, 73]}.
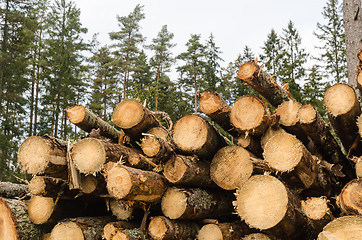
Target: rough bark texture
{"type": "Point", "coordinates": [251, 73]}
{"type": "Point", "coordinates": [162, 228]}
{"type": "Point", "coordinates": [15, 223]}
{"type": "Point", "coordinates": [350, 199]}
{"type": "Point", "coordinates": [111, 229]}
{"type": "Point", "coordinates": [343, 228]}
{"type": "Point", "coordinates": [13, 190]}
{"type": "Point", "coordinates": [225, 231]}
{"type": "Point", "coordinates": [133, 118]}
{"type": "Point", "coordinates": [87, 120]}
{"type": "Point", "coordinates": [130, 234]}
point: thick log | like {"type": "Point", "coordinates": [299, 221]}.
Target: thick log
{"type": "Point", "coordinates": [231, 167]}
{"type": "Point", "coordinates": [250, 143]}
{"type": "Point", "coordinates": [317, 212]}
{"type": "Point", "coordinates": [343, 109]}
{"type": "Point", "coordinates": [162, 228]}
{"type": "Point", "coordinates": [133, 118]}
{"type": "Point", "coordinates": [256, 236]}
{"type": "Point", "coordinates": [15, 223]}
{"type": "Point", "coordinates": [193, 135]}
{"type": "Point", "coordinates": [156, 148]}
{"type": "Point", "coordinates": [188, 171]}
{"type": "Point", "coordinates": [13, 190]}
{"type": "Point", "coordinates": [274, 130]}
{"type": "Point", "coordinates": [251, 115]}
{"type": "Point", "coordinates": [43, 155]}
{"type": "Point", "coordinates": [350, 198]}
{"type": "Point", "coordinates": [121, 209]}
{"type": "Point", "coordinates": [87, 120]}
{"type": "Point", "coordinates": [343, 228]}
{"type": "Point", "coordinates": [215, 107]}
{"type": "Point", "coordinates": [80, 228]}
{"type": "Point", "coordinates": [264, 203]}
{"type": "Point", "coordinates": [225, 231]}
{"type": "Point", "coordinates": [134, 184]}
{"type": "Point", "coordinates": [111, 229]}
{"type": "Point", "coordinates": [251, 73]}
{"type": "Point", "coordinates": [195, 203]}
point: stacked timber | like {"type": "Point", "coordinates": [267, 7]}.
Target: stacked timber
{"type": "Point", "coordinates": [276, 174]}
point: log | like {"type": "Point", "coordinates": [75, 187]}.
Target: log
{"type": "Point", "coordinates": [343, 109]}
{"type": "Point", "coordinates": [86, 120]}
{"type": "Point", "coordinates": [80, 228]}
{"type": "Point", "coordinates": [13, 190]}
{"type": "Point", "coordinates": [250, 115]}
{"type": "Point", "coordinates": [317, 212]}
{"type": "Point", "coordinates": [95, 185]}
{"type": "Point", "coordinates": [195, 203]}
{"type": "Point", "coordinates": [358, 167]}
{"type": "Point", "coordinates": [160, 132]}
{"type": "Point", "coordinates": [43, 155]}
{"type": "Point", "coordinates": [50, 187]}
{"type": "Point", "coordinates": [359, 80]}
{"type": "Point", "coordinates": [193, 135]}
{"type": "Point", "coordinates": [134, 184]}
{"type": "Point", "coordinates": [264, 203]}
{"type": "Point", "coordinates": [256, 236]}
{"type": "Point", "coordinates": [133, 118]}
{"type": "Point", "coordinates": [251, 73]}
{"type": "Point", "coordinates": [162, 228]}
{"type": "Point", "coordinates": [156, 148]}
{"type": "Point", "coordinates": [231, 167]}
{"type": "Point", "coordinates": [15, 223]}
{"type": "Point", "coordinates": [224, 231]}
{"type": "Point", "coordinates": [188, 171]}
{"type": "Point", "coordinates": [343, 228]}
{"type": "Point", "coordinates": [111, 229]}
{"type": "Point", "coordinates": [215, 107]}
{"type": "Point", "coordinates": [274, 130]}
{"type": "Point", "coordinates": [250, 143]}
{"type": "Point", "coordinates": [129, 234]}
{"type": "Point", "coordinates": [350, 198]}
{"type": "Point", "coordinates": [121, 209]}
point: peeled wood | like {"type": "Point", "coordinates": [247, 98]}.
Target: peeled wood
{"type": "Point", "coordinates": [251, 73]}
{"type": "Point", "coordinates": [134, 184]}
{"type": "Point", "coordinates": [111, 229]}
{"type": "Point", "coordinates": [195, 203]}
{"type": "Point", "coordinates": [156, 148]}
{"type": "Point", "coordinates": [188, 171]}
{"type": "Point", "coordinates": [81, 228]}
{"type": "Point", "coordinates": [133, 118]}
{"type": "Point", "coordinates": [43, 155]}
{"type": "Point", "coordinates": [13, 190]}
{"type": "Point", "coordinates": [15, 223]}
{"type": "Point", "coordinates": [343, 228]}
{"type": "Point", "coordinates": [193, 135]}
{"type": "Point", "coordinates": [264, 203]}
{"type": "Point", "coordinates": [87, 120]}
{"type": "Point", "coordinates": [317, 212]}
{"type": "Point", "coordinates": [223, 231]}
{"type": "Point", "coordinates": [343, 109]}
{"type": "Point", "coordinates": [250, 143]}
{"type": "Point", "coordinates": [162, 228]}
{"type": "Point", "coordinates": [256, 236]}
{"type": "Point", "coordinates": [350, 199]}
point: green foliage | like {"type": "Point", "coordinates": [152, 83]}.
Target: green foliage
{"type": "Point", "coordinates": [212, 74]}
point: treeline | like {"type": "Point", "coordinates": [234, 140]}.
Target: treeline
{"type": "Point", "coordinates": [46, 65]}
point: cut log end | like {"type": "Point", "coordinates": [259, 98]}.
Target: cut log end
{"type": "Point", "coordinates": [210, 232]}
{"type": "Point", "coordinates": [247, 70]}
{"type": "Point", "coordinates": [288, 111]}
{"type": "Point", "coordinates": [262, 202]}
{"type": "Point", "coordinates": [161, 133]}
{"type": "Point", "coordinates": [350, 199]}
{"type": "Point", "coordinates": [150, 146]}
{"type": "Point", "coordinates": [315, 208]}
{"type": "Point", "coordinates": [359, 125]}
{"type": "Point", "coordinates": [40, 209]}
{"type": "Point", "coordinates": [89, 184]}
{"type": "Point", "coordinates": [359, 168]}
{"type": "Point", "coordinates": [307, 114]}
{"type": "Point", "coordinates": [128, 113]}
{"type": "Point", "coordinates": [256, 236]}
{"type": "Point", "coordinates": [210, 102]}
{"type": "Point", "coordinates": [7, 224]}
{"type": "Point", "coordinates": [175, 169]}
{"type": "Point", "coordinates": [67, 231]}
{"type": "Point", "coordinates": [173, 203]}
{"type": "Point", "coordinates": [343, 228]}
{"type": "Point", "coordinates": [359, 80]}
{"type": "Point", "coordinates": [339, 99]}
{"type": "Point", "coordinates": [122, 210]}
{"type": "Point", "coordinates": [158, 228]}
{"type": "Point", "coordinates": [37, 185]}
{"type": "Point", "coordinates": [76, 114]}
{"type": "Point", "coordinates": [115, 176]}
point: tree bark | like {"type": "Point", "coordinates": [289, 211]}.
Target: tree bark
{"type": "Point", "coordinates": [225, 231]}
{"type": "Point", "coordinates": [13, 190]}
{"type": "Point", "coordinates": [343, 228]}
{"type": "Point", "coordinates": [350, 200]}
{"type": "Point", "coordinates": [111, 229]}
{"type": "Point", "coordinates": [256, 236]}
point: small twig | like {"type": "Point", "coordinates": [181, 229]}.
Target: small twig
{"type": "Point", "coordinates": [20, 179]}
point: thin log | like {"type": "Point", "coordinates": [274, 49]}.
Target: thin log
{"type": "Point", "coordinates": [358, 167]}
{"type": "Point", "coordinates": [13, 190]}
{"type": "Point", "coordinates": [225, 231]}
{"type": "Point", "coordinates": [50, 187]}
{"type": "Point", "coordinates": [343, 228]}
{"type": "Point", "coordinates": [111, 229]}
{"type": "Point", "coordinates": [359, 80]}
{"type": "Point", "coordinates": [256, 236]}
{"type": "Point", "coordinates": [250, 143]}
{"type": "Point", "coordinates": [94, 185]}
{"type": "Point", "coordinates": [156, 148]}
{"type": "Point", "coordinates": [129, 234]}
{"type": "Point", "coordinates": [121, 209]}
{"type": "Point", "coordinates": [160, 132]}
{"type": "Point", "coordinates": [350, 198]}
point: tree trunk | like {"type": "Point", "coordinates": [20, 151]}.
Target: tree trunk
{"type": "Point", "coordinates": [13, 190]}
{"type": "Point", "coordinates": [87, 120]}
{"type": "Point", "coordinates": [343, 228]}
{"type": "Point", "coordinates": [15, 223]}
{"type": "Point", "coordinates": [156, 148]}
{"type": "Point", "coordinates": [196, 203]}
{"type": "Point", "coordinates": [162, 228]}
{"type": "Point", "coordinates": [134, 184]}
{"type": "Point", "coordinates": [253, 75]}
{"type": "Point", "coordinates": [225, 231]}
{"type": "Point", "coordinates": [133, 118]}
{"type": "Point", "coordinates": [38, 155]}
{"type": "Point", "coordinates": [350, 200]}
{"type": "Point", "coordinates": [343, 109]}
{"type": "Point", "coordinates": [193, 135]}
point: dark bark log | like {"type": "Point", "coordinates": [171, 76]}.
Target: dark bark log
{"type": "Point", "coordinates": [111, 229]}
{"type": "Point", "coordinates": [343, 228]}
{"type": "Point", "coordinates": [13, 190]}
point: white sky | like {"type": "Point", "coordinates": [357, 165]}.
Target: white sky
{"type": "Point", "coordinates": [234, 23]}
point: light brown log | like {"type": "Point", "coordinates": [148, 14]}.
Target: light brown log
{"type": "Point", "coordinates": [156, 148]}
{"type": "Point", "coordinates": [13, 190]}
{"type": "Point", "coordinates": [250, 115]}
{"type": "Point", "coordinates": [121, 209]}
{"type": "Point", "coordinates": [231, 167]}
{"type": "Point", "coordinates": [49, 187]}
{"type": "Point", "coordinates": [223, 231]}
{"type": "Point", "coordinates": [95, 185]}
{"type": "Point", "coordinates": [134, 184]}
{"type": "Point", "coordinates": [251, 73]}
{"type": "Point", "coordinates": [15, 223]}
{"type": "Point", "coordinates": [317, 212]}
{"type": "Point", "coordinates": [46, 236]}
{"type": "Point", "coordinates": [250, 143]}
{"type": "Point", "coordinates": [81, 228]}
{"type": "Point", "coordinates": [343, 228]}
{"type": "Point", "coordinates": [264, 203]}
{"type": "Point", "coordinates": [270, 133]}
{"type": "Point", "coordinates": [129, 234]}
{"type": "Point", "coordinates": [111, 229]}
{"type": "Point", "coordinates": [195, 203]}
{"type": "Point", "coordinates": [162, 228]}
{"type": "Point", "coordinates": [188, 171]}
{"type": "Point", "coordinates": [343, 109]}
{"type": "Point", "coordinates": [358, 167]}
{"type": "Point", "coordinates": [133, 118]}
{"type": "Point", "coordinates": [359, 80]}
{"type": "Point", "coordinates": [350, 198]}
{"type": "Point", "coordinates": [161, 132]}
{"type": "Point", "coordinates": [193, 135]}
{"type": "Point", "coordinates": [86, 120]}
{"type": "Point", "coordinates": [256, 236]}
{"type": "Point", "coordinates": [43, 155]}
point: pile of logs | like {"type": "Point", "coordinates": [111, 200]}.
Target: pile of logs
{"type": "Point", "coordinates": [279, 172]}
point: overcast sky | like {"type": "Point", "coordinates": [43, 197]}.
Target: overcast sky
{"type": "Point", "coordinates": [234, 23]}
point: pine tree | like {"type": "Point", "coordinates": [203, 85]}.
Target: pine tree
{"type": "Point", "coordinates": [126, 47]}
{"type": "Point", "coordinates": [333, 47]}
{"type": "Point", "coordinates": [212, 73]}
{"type": "Point", "coordinates": [314, 88]}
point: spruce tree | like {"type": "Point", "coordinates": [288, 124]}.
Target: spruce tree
{"type": "Point", "coordinates": [314, 88]}
{"type": "Point", "coordinates": [212, 73]}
